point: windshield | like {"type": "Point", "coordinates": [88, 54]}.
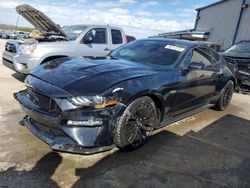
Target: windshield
{"type": "Point", "coordinates": [154, 52]}
{"type": "Point", "coordinates": [73, 32]}
{"type": "Point", "coordinates": [239, 48]}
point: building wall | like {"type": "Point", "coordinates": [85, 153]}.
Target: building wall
{"type": "Point", "coordinates": [244, 28]}
{"type": "Point", "coordinates": [221, 20]}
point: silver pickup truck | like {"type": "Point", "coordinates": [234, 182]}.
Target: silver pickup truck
{"type": "Point", "coordinates": [91, 41]}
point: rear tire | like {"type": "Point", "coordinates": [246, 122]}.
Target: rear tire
{"type": "Point", "coordinates": [225, 97]}
{"type": "Point", "coordinates": [136, 124]}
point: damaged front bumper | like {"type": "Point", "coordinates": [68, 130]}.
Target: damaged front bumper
{"type": "Point", "coordinates": [22, 64]}
{"type": "Point", "coordinates": [241, 68]}
{"type": "Point", "coordinates": [243, 79]}
{"type": "Point", "coordinates": [52, 128]}
{"type": "Point", "coordinates": [60, 142]}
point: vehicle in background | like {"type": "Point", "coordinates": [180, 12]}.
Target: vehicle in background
{"type": "Point", "coordinates": [20, 34]}
{"type": "Point", "coordinates": [1, 34]}
{"type": "Point", "coordinates": [81, 106]}
{"type": "Point", "coordinates": [91, 41]}
{"type": "Point", "coordinates": [26, 35]}
{"type": "Point", "coordinates": [13, 35]}
{"type": "Point", "coordinates": [239, 55]}
{"type": "Point", "coordinates": [5, 35]}
{"type": "Point", "coordinates": [130, 38]}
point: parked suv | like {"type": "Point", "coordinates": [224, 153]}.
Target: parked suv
{"type": "Point", "coordinates": [92, 41]}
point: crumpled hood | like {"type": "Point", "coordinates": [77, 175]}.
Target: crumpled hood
{"type": "Point", "coordinates": [79, 76]}
{"type": "Point", "coordinates": [236, 55]}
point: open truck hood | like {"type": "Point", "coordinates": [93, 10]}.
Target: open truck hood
{"type": "Point", "coordinates": [39, 20]}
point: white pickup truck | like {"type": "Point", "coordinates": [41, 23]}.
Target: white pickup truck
{"type": "Point", "coordinates": [91, 41]}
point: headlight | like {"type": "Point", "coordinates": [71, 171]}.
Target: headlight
{"type": "Point", "coordinates": [27, 49]}
{"type": "Point", "coordinates": [94, 101]}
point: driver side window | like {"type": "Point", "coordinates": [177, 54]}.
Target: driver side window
{"type": "Point", "coordinates": [98, 35]}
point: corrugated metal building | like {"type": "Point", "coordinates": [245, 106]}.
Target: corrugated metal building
{"type": "Point", "coordinates": [225, 22]}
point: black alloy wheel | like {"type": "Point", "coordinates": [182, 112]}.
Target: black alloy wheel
{"type": "Point", "coordinates": [136, 124]}
{"type": "Point", "coordinates": [226, 96]}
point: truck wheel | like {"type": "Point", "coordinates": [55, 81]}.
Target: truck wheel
{"type": "Point", "coordinates": [226, 96]}
{"type": "Point", "coordinates": [136, 124]}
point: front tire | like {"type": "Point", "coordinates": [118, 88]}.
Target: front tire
{"type": "Point", "coordinates": [226, 96]}
{"type": "Point", "coordinates": [136, 124]}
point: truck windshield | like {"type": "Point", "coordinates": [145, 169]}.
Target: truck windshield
{"type": "Point", "coordinates": [74, 31]}
{"type": "Point", "coordinates": [153, 52]}
{"type": "Point", "coordinates": [239, 48]}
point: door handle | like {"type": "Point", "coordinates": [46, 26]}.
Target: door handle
{"type": "Point", "coordinates": [106, 49]}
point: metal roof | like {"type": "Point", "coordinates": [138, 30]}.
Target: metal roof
{"type": "Point", "coordinates": [216, 3]}
{"type": "Point", "coordinates": [186, 34]}
{"type": "Point", "coordinates": [182, 42]}
{"type": "Point", "coordinates": [177, 32]}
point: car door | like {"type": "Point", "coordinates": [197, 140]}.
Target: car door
{"type": "Point", "coordinates": [116, 38]}
{"type": "Point", "coordinates": [197, 85]}
{"type": "Point", "coordinates": [98, 47]}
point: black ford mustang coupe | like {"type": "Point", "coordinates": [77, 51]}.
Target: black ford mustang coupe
{"type": "Point", "coordinates": [88, 106]}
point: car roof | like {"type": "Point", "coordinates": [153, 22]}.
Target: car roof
{"type": "Point", "coordinates": [181, 42]}
{"type": "Point", "coordinates": [93, 25]}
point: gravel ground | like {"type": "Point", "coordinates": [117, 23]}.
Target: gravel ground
{"type": "Point", "coordinates": [180, 155]}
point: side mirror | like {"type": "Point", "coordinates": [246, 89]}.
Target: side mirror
{"type": "Point", "coordinates": [87, 39]}
{"type": "Point", "coordinates": [196, 65]}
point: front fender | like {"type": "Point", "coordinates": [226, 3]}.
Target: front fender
{"type": "Point", "coordinates": [132, 89]}
{"type": "Point", "coordinates": [44, 51]}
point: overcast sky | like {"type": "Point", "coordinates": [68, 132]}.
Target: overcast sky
{"type": "Point", "coordinates": [137, 17]}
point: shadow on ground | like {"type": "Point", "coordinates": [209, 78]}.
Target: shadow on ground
{"type": "Point", "coordinates": [38, 176]}
{"type": "Point", "coordinates": [217, 156]}
{"type": "Point", "coordinates": [19, 77]}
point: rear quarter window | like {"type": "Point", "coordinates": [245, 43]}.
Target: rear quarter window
{"type": "Point", "coordinates": [116, 36]}
{"type": "Point", "coordinates": [201, 55]}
